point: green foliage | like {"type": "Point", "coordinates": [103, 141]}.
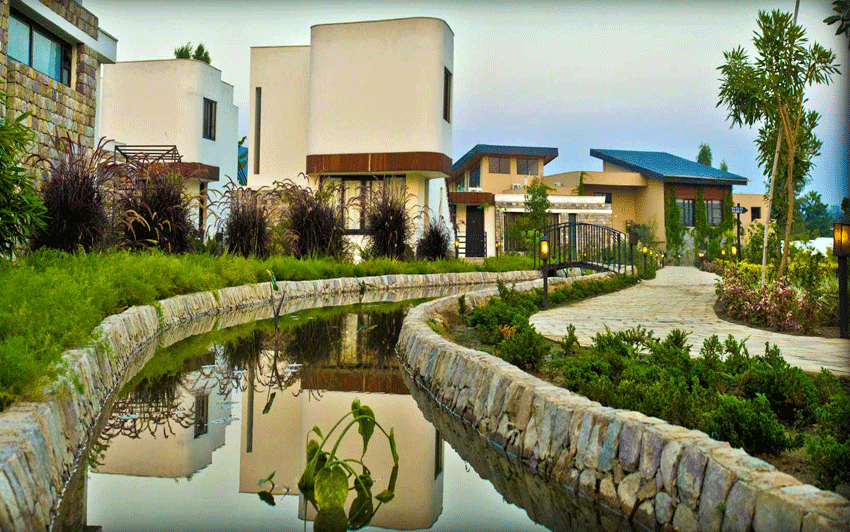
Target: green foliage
{"type": "Point", "coordinates": [746, 423]}
{"type": "Point", "coordinates": [51, 301]}
{"type": "Point", "coordinates": [814, 217]}
{"type": "Point", "coordinates": [246, 222]}
{"type": "Point", "coordinates": [523, 347]}
{"type": "Point", "coordinates": [315, 222]}
{"type": "Point", "coordinates": [388, 224]}
{"type": "Point", "coordinates": [326, 477]}
{"type": "Point", "coordinates": [723, 166]}
{"type": "Point", "coordinates": [537, 203]}
{"type": "Point", "coordinates": [842, 8]}
{"type": "Point", "coordinates": [704, 155]}
{"type": "Point", "coordinates": [21, 208]}
{"type": "Point", "coordinates": [674, 230]}
{"type": "Point", "coordinates": [156, 211]}
{"type": "Point", "coordinates": [435, 243]}
{"type": "Point", "coordinates": [187, 51]}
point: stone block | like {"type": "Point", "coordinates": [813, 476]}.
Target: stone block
{"type": "Point", "coordinates": [610, 446]}
{"type": "Point", "coordinates": [587, 483]}
{"type": "Point", "coordinates": [645, 514]}
{"type": "Point", "coordinates": [631, 438]}
{"type": "Point", "coordinates": [650, 456]}
{"type": "Point", "coordinates": [777, 512]}
{"type": "Point", "coordinates": [716, 485]}
{"type": "Point", "coordinates": [684, 520]}
{"type": "Point", "coordinates": [664, 508]}
{"type": "Point", "coordinates": [690, 475]}
{"type": "Point", "coordinates": [670, 463]}
{"type": "Point", "coordinates": [627, 492]}
{"type": "Point", "coordinates": [608, 492]}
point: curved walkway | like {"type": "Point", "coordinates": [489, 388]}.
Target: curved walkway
{"type": "Point", "coordinates": [683, 298]}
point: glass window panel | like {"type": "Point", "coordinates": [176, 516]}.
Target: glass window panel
{"type": "Point", "coordinates": [686, 211]}
{"type": "Point", "coordinates": [46, 55]}
{"type": "Point", "coordinates": [475, 176]}
{"type": "Point", "coordinates": [714, 212]}
{"type": "Point", "coordinates": [505, 165]}
{"type": "Point", "coordinates": [19, 40]}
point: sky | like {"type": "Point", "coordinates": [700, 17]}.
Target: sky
{"type": "Point", "coordinates": [570, 75]}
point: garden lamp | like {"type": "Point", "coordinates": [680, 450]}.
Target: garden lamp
{"type": "Point", "coordinates": [734, 251]}
{"type": "Point", "coordinates": [544, 254]}
{"type": "Point", "coordinates": [841, 250]}
{"type": "Point", "coordinates": [645, 253]}
{"type": "Point", "coordinates": [457, 248]}
{"type": "Point", "coordinates": [497, 248]}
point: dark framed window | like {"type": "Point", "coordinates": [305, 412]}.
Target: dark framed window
{"type": "Point", "coordinates": [607, 196]}
{"type": "Point", "coordinates": [686, 211]}
{"type": "Point", "coordinates": [447, 95]}
{"type": "Point", "coordinates": [714, 212]}
{"type": "Point", "coordinates": [258, 108]}
{"type": "Point", "coordinates": [526, 166]}
{"type": "Point", "coordinates": [356, 191]}
{"type": "Point", "coordinates": [475, 176]}
{"type": "Point", "coordinates": [500, 165]}
{"type": "Point", "coordinates": [36, 47]}
{"type": "Point", "coordinates": [202, 414]}
{"type": "Point", "coordinates": [209, 118]}
{"type": "Point", "coordinates": [438, 454]}
{"type": "Point", "coordinates": [755, 213]}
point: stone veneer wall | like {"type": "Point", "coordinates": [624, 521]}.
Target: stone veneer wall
{"type": "Point", "coordinates": [43, 444]}
{"type": "Point", "coordinates": [583, 211]}
{"type": "Point", "coordinates": [55, 108]}
{"type": "Point", "coordinates": [657, 474]}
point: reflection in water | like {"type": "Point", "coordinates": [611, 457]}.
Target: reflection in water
{"type": "Point", "coordinates": [172, 436]}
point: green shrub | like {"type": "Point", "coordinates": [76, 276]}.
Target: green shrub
{"type": "Point", "coordinates": [315, 221]}
{"type": "Point", "coordinates": [21, 208]}
{"type": "Point", "coordinates": [523, 347]}
{"type": "Point", "coordinates": [435, 242]}
{"type": "Point", "coordinates": [157, 211]}
{"type": "Point", "coordinates": [747, 423]}
{"type": "Point", "coordinates": [246, 223]}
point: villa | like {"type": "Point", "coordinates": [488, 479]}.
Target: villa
{"type": "Point", "coordinates": [364, 102]}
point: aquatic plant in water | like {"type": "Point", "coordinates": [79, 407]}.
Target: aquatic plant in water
{"type": "Point", "coordinates": [326, 477]}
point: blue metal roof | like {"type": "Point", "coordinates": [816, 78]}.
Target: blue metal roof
{"type": "Point", "coordinates": [547, 154]}
{"type": "Point", "coordinates": [668, 167]}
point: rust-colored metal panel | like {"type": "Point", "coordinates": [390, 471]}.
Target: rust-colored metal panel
{"type": "Point", "coordinates": [200, 171]}
{"type": "Point", "coordinates": [708, 192]}
{"type": "Point", "coordinates": [375, 163]}
{"type": "Point", "coordinates": [472, 198]}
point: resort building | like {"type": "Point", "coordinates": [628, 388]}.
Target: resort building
{"type": "Point", "coordinates": [364, 102]}
{"type": "Point", "coordinates": [50, 53]}
{"type": "Point", "coordinates": [487, 198]}
{"type": "Point", "coordinates": [187, 117]}
{"type": "Point", "coordinates": [756, 206]}
{"type": "Point", "coordinates": [636, 183]}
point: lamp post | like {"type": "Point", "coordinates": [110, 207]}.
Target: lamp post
{"type": "Point", "coordinates": [841, 250]}
{"type": "Point", "coordinates": [544, 254]}
{"type": "Point", "coordinates": [497, 248]}
{"type": "Point", "coordinates": [734, 252]}
{"type": "Point", "coordinates": [457, 248]}
{"type": "Point", "coordinates": [723, 256]}
{"type": "Point", "coordinates": [645, 253]}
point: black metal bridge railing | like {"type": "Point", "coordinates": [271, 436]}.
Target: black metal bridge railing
{"type": "Point", "coordinates": [584, 245]}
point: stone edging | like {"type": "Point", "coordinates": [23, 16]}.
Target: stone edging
{"type": "Point", "coordinates": [42, 444]}
{"type": "Point", "coordinates": [657, 474]}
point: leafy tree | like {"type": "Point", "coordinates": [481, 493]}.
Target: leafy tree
{"type": "Point", "coordinates": [704, 156]}
{"type": "Point", "coordinates": [723, 166]}
{"type": "Point", "coordinates": [814, 215]}
{"type": "Point", "coordinates": [184, 52]}
{"type": "Point", "coordinates": [842, 7]}
{"type": "Point", "coordinates": [21, 208]}
{"type": "Point", "coordinates": [845, 206]}
{"type": "Point", "coordinates": [537, 203]}
{"type": "Point", "coordinates": [202, 54]}
{"type": "Point", "coordinates": [771, 90]}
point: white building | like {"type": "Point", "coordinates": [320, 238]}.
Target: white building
{"type": "Point", "coordinates": [173, 102]}
{"type": "Point", "coordinates": [364, 101]}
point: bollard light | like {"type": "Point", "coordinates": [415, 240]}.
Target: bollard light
{"type": "Point", "coordinates": [734, 251]}
{"type": "Point", "coordinates": [544, 254]}
{"type": "Point", "coordinates": [723, 253]}
{"type": "Point", "coordinates": [544, 248]}
{"type": "Point", "coordinates": [457, 248]}
{"type": "Point", "coordinates": [702, 254]}
{"type": "Point", "coordinates": [841, 250]}
{"type": "Point", "coordinates": [497, 248]}
{"type": "Point", "coordinates": [645, 250]}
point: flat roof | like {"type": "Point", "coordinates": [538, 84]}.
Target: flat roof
{"type": "Point", "coordinates": [668, 167]}
{"type": "Point", "coordinates": [480, 150]}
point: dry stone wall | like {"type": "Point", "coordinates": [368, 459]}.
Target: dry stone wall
{"type": "Point", "coordinates": [43, 444]}
{"type": "Point", "coordinates": [659, 475]}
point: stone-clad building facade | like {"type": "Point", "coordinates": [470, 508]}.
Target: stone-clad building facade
{"type": "Point", "coordinates": [50, 54]}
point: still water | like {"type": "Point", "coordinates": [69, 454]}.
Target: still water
{"type": "Point", "coordinates": [190, 436]}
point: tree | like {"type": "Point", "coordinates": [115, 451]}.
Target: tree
{"type": "Point", "coordinates": [771, 90]}
{"type": "Point", "coordinates": [704, 156]}
{"type": "Point", "coordinates": [537, 203]}
{"type": "Point", "coordinates": [187, 51]}
{"type": "Point", "coordinates": [814, 215]}
{"type": "Point", "coordinates": [842, 7]}
{"type": "Point", "coordinates": [723, 166]}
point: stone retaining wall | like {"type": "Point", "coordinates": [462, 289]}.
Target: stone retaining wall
{"type": "Point", "coordinates": [659, 475]}
{"type": "Point", "coordinates": [43, 444]}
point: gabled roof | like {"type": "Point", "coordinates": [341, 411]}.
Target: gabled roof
{"type": "Point", "coordinates": [480, 150]}
{"type": "Point", "coordinates": [668, 167]}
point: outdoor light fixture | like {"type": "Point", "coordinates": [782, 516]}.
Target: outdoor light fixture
{"type": "Point", "coordinates": [645, 250]}
{"type": "Point", "coordinates": [497, 248]}
{"type": "Point", "coordinates": [723, 253]}
{"type": "Point", "coordinates": [734, 251]}
{"type": "Point", "coordinates": [544, 254]}
{"type": "Point", "coordinates": [457, 248]}
{"type": "Point", "coordinates": [841, 249]}
{"type": "Point", "coordinates": [702, 254]}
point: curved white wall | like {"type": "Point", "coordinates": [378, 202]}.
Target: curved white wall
{"type": "Point", "coordinates": [377, 87]}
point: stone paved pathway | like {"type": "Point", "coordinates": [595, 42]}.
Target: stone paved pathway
{"type": "Point", "coordinates": [683, 298]}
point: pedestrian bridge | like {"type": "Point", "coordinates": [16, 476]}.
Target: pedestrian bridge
{"type": "Point", "coordinates": [583, 245]}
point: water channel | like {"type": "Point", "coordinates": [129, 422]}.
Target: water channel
{"type": "Point", "coordinates": [188, 438]}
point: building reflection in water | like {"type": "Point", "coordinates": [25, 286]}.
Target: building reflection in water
{"type": "Point", "coordinates": [169, 426]}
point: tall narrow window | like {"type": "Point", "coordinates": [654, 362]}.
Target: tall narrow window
{"type": "Point", "coordinates": [38, 48]}
{"type": "Point", "coordinates": [714, 212]}
{"type": "Point", "coordinates": [202, 414]}
{"type": "Point", "coordinates": [258, 112]}
{"type": "Point", "coordinates": [447, 95]}
{"type": "Point", "coordinates": [209, 119]}
{"type": "Point", "coordinates": [475, 176]}
{"type": "Point", "coordinates": [686, 211]}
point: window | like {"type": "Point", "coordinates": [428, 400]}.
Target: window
{"type": "Point", "coordinates": [500, 165]}
{"type": "Point", "coordinates": [34, 46]}
{"type": "Point", "coordinates": [526, 166]}
{"type": "Point", "coordinates": [258, 107]}
{"type": "Point", "coordinates": [202, 414]}
{"type": "Point", "coordinates": [447, 95]}
{"type": "Point", "coordinates": [607, 196]}
{"type": "Point", "coordinates": [475, 176]}
{"type": "Point", "coordinates": [209, 119]}
{"type": "Point", "coordinates": [686, 211]}
{"type": "Point", "coordinates": [714, 212]}
{"type": "Point", "coordinates": [356, 193]}
{"type": "Point", "coordinates": [755, 212]}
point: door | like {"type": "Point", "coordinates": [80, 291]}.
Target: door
{"type": "Point", "coordinates": [475, 243]}
{"type": "Point", "coordinates": [572, 237]}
